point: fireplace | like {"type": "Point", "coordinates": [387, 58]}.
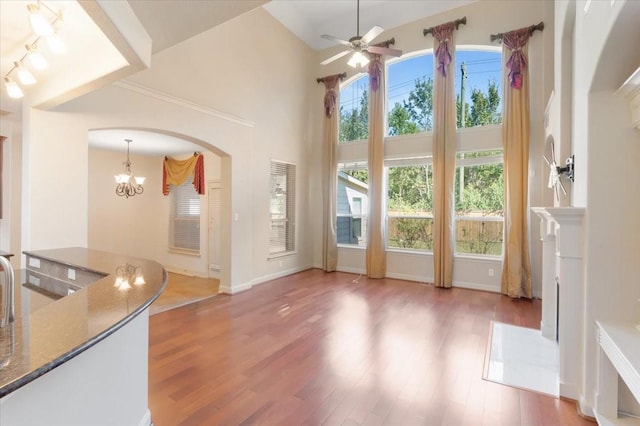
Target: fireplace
{"type": "Point", "coordinates": [563, 290]}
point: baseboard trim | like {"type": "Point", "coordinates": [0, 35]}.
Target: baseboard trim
{"type": "Point", "coordinates": [407, 277]}
{"type": "Point", "coordinates": [579, 410]}
{"type": "Point", "coordinates": [351, 270]}
{"type": "Point", "coordinates": [225, 289]}
{"type": "Point", "coordinates": [271, 277]}
{"type": "Point", "coordinates": [235, 289]}
{"type": "Point", "coordinates": [186, 272]}
{"type": "Point", "coordinates": [476, 286]}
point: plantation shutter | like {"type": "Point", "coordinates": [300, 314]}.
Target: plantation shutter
{"type": "Point", "coordinates": [185, 223]}
{"type": "Point", "coordinates": [282, 207]}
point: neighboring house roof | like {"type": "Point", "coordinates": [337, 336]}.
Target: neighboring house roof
{"type": "Point", "coordinates": [363, 187]}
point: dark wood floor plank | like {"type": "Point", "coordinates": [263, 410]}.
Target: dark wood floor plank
{"type": "Point", "coordinates": [316, 348]}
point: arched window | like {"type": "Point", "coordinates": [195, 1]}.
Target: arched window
{"type": "Point", "coordinates": [409, 95]}
{"type": "Point", "coordinates": [354, 110]}
{"type": "Point", "coordinates": [479, 82]}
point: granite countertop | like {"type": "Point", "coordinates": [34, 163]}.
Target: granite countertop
{"type": "Point", "coordinates": [48, 332]}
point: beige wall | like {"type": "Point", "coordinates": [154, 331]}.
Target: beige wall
{"type": "Point", "coordinates": [247, 112]}
{"type": "Point", "coordinates": [139, 225]}
{"type": "Point", "coordinates": [610, 149]}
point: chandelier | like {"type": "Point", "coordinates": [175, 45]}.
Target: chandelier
{"type": "Point", "coordinates": [127, 184]}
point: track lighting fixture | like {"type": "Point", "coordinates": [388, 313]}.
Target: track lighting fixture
{"type": "Point", "coordinates": [13, 89]}
{"type": "Point", "coordinates": [43, 27]}
{"type": "Point", "coordinates": [24, 75]}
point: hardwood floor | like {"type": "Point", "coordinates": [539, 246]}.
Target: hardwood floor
{"type": "Point", "coordinates": [316, 348]}
{"type": "Point", "coordinates": [182, 290]}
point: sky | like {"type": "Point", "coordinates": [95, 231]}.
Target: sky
{"type": "Point", "coordinates": [482, 66]}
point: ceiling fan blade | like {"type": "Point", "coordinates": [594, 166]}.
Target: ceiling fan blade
{"type": "Point", "coordinates": [384, 51]}
{"type": "Point", "coordinates": [336, 39]}
{"type": "Point", "coordinates": [371, 34]}
{"type": "Point", "coordinates": [334, 57]}
{"type": "Point", "coordinates": [564, 191]}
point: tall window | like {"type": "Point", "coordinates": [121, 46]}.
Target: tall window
{"type": "Point", "coordinates": [282, 237]}
{"type": "Point", "coordinates": [478, 84]}
{"type": "Point", "coordinates": [184, 232]}
{"type": "Point", "coordinates": [352, 204]}
{"type": "Point", "coordinates": [410, 95]}
{"type": "Point", "coordinates": [410, 204]}
{"type": "Point", "coordinates": [479, 202]}
{"type": "Point", "coordinates": [354, 110]}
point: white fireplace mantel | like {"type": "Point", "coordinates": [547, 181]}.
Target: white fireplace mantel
{"type": "Point", "coordinates": [562, 262]}
{"type": "Point", "coordinates": [549, 320]}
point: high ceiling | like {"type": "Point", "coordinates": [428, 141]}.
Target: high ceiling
{"type": "Point", "coordinates": [166, 23]}
{"type": "Point", "coordinates": [309, 19]}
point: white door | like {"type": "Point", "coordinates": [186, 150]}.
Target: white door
{"type": "Point", "coordinates": [215, 192]}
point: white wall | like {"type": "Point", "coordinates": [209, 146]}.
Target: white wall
{"type": "Point", "coordinates": [131, 226]}
{"type": "Point", "coordinates": [247, 101]}
{"type": "Point", "coordinates": [607, 151]}
{"type": "Point", "coordinates": [237, 69]}
{"type": "Point", "coordinates": [11, 189]}
{"type": "Point", "coordinates": [483, 19]}
{"type": "Point", "coordinates": [139, 225]}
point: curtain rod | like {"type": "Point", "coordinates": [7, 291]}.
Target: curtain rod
{"type": "Point", "coordinates": [457, 23]}
{"type": "Point", "coordinates": [386, 43]}
{"type": "Point", "coordinates": [532, 29]}
{"type": "Point", "coordinates": [340, 76]}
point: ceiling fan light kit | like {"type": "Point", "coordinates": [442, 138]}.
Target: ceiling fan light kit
{"type": "Point", "coordinates": [360, 45]}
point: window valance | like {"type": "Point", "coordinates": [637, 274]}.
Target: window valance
{"type": "Point", "coordinates": [176, 172]}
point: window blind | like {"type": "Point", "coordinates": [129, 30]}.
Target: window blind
{"type": "Point", "coordinates": [185, 218]}
{"type": "Point", "coordinates": [282, 207]}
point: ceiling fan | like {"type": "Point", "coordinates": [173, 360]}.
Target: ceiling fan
{"type": "Point", "coordinates": [359, 44]}
{"type": "Point", "coordinates": [556, 171]}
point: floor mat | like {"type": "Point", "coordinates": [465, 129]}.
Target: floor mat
{"type": "Point", "coordinates": [521, 357]}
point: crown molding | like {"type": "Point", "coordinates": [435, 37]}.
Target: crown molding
{"type": "Point", "coordinates": [156, 94]}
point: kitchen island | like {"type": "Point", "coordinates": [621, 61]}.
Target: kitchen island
{"type": "Point", "coordinates": [77, 350]}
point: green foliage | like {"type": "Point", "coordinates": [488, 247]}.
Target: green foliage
{"type": "Point", "coordinates": [412, 233]}
{"type": "Point", "coordinates": [419, 104]}
{"type": "Point", "coordinates": [361, 175]}
{"type": "Point", "coordinates": [410, 189]}
{"type": "Point", "coordinates": [354, 124]}
{"type": "Point", "coordinates": [484, 106]}
{"type": "Point", "coordinates": [483, 188]}
{"type": "Point", "coordinates": [400, 123]}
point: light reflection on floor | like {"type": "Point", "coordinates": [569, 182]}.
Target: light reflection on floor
{"type": "Point", "coordinates": [395, 349]}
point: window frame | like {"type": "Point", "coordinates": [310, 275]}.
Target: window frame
{"type": "Point", "coordinates": [471, 162]}
{"type": "Point", "coordinates": [177, 192]}
{"type": "Point", "coordinates": [363, 216]}
{"type": "Point", "coordinates": [277, 247]}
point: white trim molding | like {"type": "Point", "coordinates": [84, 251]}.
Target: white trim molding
{"type": "Point", "coordinates": [156, 94]}
{"type": "Point", "coordinates": [630, 89]}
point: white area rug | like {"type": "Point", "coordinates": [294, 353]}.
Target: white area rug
{"type": "Point", "coordinates": [522, 358]}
